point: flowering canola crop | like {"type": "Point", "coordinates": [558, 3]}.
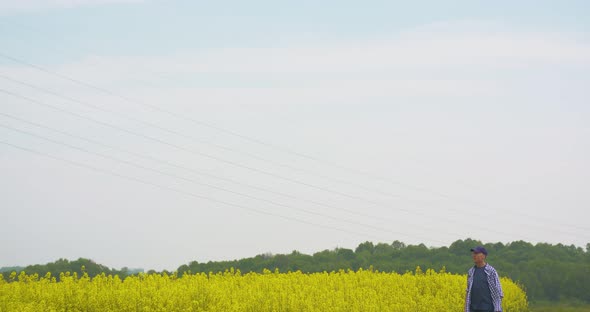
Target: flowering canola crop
{"type": "Point", "coordinates": [363, 290]}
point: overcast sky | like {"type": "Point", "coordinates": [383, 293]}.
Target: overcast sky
{"type": "Point", "coordinates": [154, 133]}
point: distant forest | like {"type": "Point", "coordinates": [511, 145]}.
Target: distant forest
{"type": "Point", "coordinates": [547, 272]}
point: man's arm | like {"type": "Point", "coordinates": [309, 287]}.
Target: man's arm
{"type": "Point", "coordinates": [499, 292]}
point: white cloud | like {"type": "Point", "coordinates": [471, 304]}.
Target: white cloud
{"type": "Point", "coordinates": [446, 49]}
{"type": "Point", "coordinates": [434, 60]}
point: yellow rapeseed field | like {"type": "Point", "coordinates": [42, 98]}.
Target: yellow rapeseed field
{"type": "Point", "coordinates": [363, 290]}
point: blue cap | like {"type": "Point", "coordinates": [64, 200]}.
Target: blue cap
{"type": "Point", "coordinates": [480, 249]}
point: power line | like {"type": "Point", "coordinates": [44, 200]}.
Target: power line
{"type": "Point", "coordinates": [193, 181]}
{"type": "Point", "coordinates": [128, 163]}
{"type": "Point", "coordinates": [184, 149]}
{"type": "Point", "coordinates": [226, 161]}
{"type": "Point", "coordinates": [199, 172]}
{"type": "Point", "coordinates": [273, 146]}
{"type": "Point", "coordinates": [82, 165]}
{"type": "Point", "coordinates": [112, 173]}
{"type": "Point", "coordinates": [211, 126]}
{"type": "Point", "coordinates": [380, 218]}
{"type": "Point", "coordinates": [184, 135]}
{"type": "Point", "coordinates": [229, 162]}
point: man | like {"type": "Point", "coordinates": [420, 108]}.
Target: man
{"type": "Point", "coordinates": [484, 292]}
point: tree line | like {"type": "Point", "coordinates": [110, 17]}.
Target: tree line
{"type": "Point", "coordinates": [80, 266]}
{"type": "Point", "coordinates": [546, 271]}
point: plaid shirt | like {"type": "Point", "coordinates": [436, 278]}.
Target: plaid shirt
{"type": "Point", "coordinates": [495, 287]}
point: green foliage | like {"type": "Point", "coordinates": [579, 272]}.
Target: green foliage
{"type": "Point", "coordinates": [63, 265]}
{"type": "Point", "coordinates": [560, 307]}
{"type": "Point", "coordinates": [11, 269]}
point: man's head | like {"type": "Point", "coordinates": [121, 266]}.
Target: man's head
{"type": "Point", "coordinates": [479, 254]}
